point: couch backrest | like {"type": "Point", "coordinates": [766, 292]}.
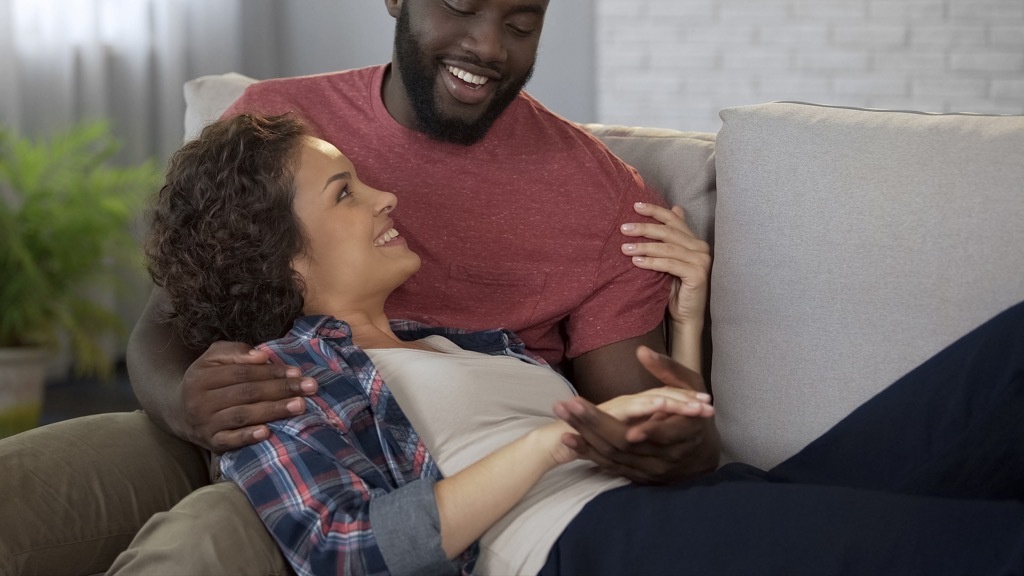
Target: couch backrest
{"type": "Point", "coordinates": [680, 165]}
{"type": "Point", "coordinates": [851, 245]}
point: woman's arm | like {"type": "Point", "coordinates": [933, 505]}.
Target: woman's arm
{"type": "Point", "coordinates": [472, 500]}
{"type": "Point", "coordinates": [680, 253]}
{"type": "Point", "coordinates": [326, 493]}
{"type": "Point", "coordinates": [333, 508]}
{"type": "Point", "coordinates": [685, 344]}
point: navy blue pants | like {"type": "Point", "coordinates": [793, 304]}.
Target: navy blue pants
{"type": "Point", "coordinates": [927, 477]}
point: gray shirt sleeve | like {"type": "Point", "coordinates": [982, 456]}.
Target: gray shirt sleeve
{"type": "Point", "coordinates": [407, 526]}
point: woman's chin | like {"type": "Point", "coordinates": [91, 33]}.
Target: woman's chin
{"type": "Point", "coordinates": [414, 265]}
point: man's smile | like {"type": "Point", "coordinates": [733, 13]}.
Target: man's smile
{"type": "Point", "coordinates": [465, 86]}
{"type": "Point", "coordinates": [466, 76]}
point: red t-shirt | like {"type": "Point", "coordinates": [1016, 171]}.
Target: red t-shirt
{"type": "Point", "coordinates": [519, 231]}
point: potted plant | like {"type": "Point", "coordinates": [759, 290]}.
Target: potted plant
{"type": "Point", "coordinates": [65, 216]}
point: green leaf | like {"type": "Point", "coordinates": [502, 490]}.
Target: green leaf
{"type": "Point", "coordinates": [66, 213]}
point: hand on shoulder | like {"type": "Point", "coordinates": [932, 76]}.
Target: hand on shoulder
{"type": "Point", "coordinates": [675, 250]}
{"type": "Point", "coordinates": [231, 392]}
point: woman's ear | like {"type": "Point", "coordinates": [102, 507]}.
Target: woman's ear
{"type": "Point", "coordinates": [394, 7]}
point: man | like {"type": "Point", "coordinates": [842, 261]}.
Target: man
{"type": "Point", "coordinates": [461, 65]}
{"type": "Point", "coordinates": [481, 167]}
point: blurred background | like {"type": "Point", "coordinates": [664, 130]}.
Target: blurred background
{"type": "Point", "coordinates": [667, 63]}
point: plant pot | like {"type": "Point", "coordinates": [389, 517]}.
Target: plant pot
{"type": "Point", "coordinates": [22, 384]}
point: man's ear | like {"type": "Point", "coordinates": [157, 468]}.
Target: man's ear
{"type": "Point", "coordinates": [394, 7]}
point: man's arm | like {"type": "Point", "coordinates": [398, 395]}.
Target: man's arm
{"type": "Point", "coordinates": [613, 370]}
{"type": "Point", "coordinates": [156, 363]}
{"type": "Point", "coordinates": [220, 399]}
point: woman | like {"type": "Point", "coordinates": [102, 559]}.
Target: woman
{"type": "Point", "coordinates": [432, 450]}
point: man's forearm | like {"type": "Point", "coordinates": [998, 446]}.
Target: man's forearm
{"type": "Point", "coordinates": [157, 361]}
{"type": "Point", "coordinates": [613, 370]}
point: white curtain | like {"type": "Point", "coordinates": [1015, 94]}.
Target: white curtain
{"type": "Point", "coordinates": [125, 61]}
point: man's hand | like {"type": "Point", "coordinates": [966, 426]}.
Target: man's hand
{"type": "Point", "coordinates": [231, 392]}
{"type": "Point", "coordinates": [671, 444]}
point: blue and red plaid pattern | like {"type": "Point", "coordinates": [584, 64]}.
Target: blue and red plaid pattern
{"type": "Point", "coordinates": [313, 480]}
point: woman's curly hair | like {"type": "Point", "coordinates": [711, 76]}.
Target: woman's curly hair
{"type": "Point", "coordinates": [223, 233]}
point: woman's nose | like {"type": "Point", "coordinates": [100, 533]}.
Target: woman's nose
{"type": "Point", "coordinates": [386, 202]}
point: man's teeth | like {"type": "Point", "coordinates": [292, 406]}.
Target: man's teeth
{"type": "Point", "coordinates": [386, 237]}
{"type": "Point", "coordinates": [467, 77]}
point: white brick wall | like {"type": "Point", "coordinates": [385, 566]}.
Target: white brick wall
{"type": "Point", "coordinates": [676, 63]}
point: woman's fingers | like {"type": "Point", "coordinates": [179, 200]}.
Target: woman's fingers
{"type": "Point", "coordinates": [645, 405]}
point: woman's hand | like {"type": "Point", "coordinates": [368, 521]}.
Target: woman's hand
{"type": "Point", "coordinates": [658, 403]}
{"type": "Point", "coordinates": [678, 252]}
{"type": "Point", "coordinates": [549, 440]}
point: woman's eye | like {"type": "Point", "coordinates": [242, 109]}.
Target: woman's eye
{"type": "Point", "coordinates": [342, 194]}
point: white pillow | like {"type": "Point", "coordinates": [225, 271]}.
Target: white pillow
{"type": "Point", "coordinates": [207, 97]}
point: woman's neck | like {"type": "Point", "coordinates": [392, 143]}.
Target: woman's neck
{"type": "Point", "coordinates": [374, 331]}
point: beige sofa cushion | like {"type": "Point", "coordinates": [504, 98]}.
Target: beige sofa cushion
{"type": "Point", "coordinates": [851, 245]}
{"type": "Point", "coordinates": [679, 165]}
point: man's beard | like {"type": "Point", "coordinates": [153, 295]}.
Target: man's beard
{"type": "Point", "coordinates": [419, 79]}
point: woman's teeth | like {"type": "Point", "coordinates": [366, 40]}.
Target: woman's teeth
{"type": "Point", "coordinates": [466, 76]}
{"type": "Point", "coordinates": [386, 237]}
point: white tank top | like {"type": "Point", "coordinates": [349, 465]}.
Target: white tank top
{"type": "Point", "coordinates": [465, 405]}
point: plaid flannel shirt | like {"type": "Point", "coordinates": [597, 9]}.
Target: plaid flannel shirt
{"type": "Point", "coordinates": [347, 486]}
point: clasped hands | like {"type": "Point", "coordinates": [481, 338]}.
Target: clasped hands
{"type": "Point", "coordinates": [654, 436]}
{"type": "Point", "coordinates": [666, 433]}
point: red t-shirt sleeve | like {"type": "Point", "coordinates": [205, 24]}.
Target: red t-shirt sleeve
{"type": "Point", "coordinates": [627, 301]}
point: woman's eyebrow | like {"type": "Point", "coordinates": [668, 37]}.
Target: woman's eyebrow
{"type": "Point", "coordinates": [338, 176]}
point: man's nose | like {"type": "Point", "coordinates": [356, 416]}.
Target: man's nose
{"type": "Point", "coordinates": [485, 40]}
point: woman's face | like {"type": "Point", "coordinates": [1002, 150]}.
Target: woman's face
{"type": "Point", "coordinates": [354, 255]}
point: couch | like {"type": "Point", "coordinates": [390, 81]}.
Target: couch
{"type": "Point", "coordinates": [850, 245]}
